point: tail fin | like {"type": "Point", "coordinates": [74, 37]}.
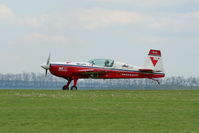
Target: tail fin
{"type": "Point", "coordinates": [154, 61]}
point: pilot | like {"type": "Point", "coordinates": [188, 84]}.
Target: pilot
{"type": "Point", "coordinates": [107, 63]}
{"type": "Point", "coordinates": [93, 63]}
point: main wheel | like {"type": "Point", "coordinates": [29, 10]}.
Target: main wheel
{"type": "Point", "coordinates": [65, 87]}
{"type": "Point", "coordinates": [74, 88]}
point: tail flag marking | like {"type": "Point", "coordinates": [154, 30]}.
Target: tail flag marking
{"type": "Point", "coordinates": [154, 60]}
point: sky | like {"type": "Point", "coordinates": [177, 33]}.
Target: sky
{"type": "Point", "coordinates": [80, 30]}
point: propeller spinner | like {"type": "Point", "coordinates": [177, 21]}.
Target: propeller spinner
{"type": "Point", "coordinates": [46, 65]}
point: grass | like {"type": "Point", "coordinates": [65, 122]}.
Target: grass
{"type": "Point", "coordinates": [114, 111]}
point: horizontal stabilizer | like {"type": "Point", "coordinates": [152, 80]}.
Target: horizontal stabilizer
{"type": "Point", "coordinates": [146, 70]}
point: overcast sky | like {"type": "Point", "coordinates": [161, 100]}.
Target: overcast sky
{"type": "Point", "coordinates": [79, 30]}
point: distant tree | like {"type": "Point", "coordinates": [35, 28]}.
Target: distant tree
{"type": "Point", "coordinates": [39, 81]}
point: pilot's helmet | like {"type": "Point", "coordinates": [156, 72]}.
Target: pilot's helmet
{"type": "Point", "coordinates": [106, 62]}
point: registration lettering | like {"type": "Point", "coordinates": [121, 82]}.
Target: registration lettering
{"type": "Point", "coordinates": [127, 74]}
{"type": "Point", "coordinates": [62, 69]}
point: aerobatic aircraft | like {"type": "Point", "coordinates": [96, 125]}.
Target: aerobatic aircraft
{"type": "Point", "coordinates": [106, 69]}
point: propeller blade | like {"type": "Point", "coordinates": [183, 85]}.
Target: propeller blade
{"type": "Point", "coordinates": [48, 60]}
{"type": "Point", "coordinates": [46, 65]}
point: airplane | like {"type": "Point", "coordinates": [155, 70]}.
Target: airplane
{"type": "Point", "coordinates": [106, 69]}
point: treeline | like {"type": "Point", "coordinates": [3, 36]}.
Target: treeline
{"type": "Point", "coordinates": [39, 81]}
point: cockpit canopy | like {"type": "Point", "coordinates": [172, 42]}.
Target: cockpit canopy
{"type": "Point", "coordinates": [102, 62]}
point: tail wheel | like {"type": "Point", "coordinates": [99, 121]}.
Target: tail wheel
{"type": "Point", "coordinates": [65, 87]}
{"type": "Point", "coordinates": [74, 88]}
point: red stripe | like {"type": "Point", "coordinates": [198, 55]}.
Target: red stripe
{"type": "Point", "coordinates": [155, 52]}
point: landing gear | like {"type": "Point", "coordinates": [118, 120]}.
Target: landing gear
{"type": "Point", "coordinates": [156, 81]}
{"type": "Point", "coordinates": [65, 87]}
{"type": "Point", "coordinates": [74, 87]}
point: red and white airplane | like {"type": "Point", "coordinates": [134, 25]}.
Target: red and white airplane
{"type": "Point", "coordinates": [106, 69]}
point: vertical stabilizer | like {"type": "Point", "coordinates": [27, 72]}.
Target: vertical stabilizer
{"type": "Point", "coordinates": [154, 61]}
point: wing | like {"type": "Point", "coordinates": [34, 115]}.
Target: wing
{"type": "Point", "coordinates": [91, 72]}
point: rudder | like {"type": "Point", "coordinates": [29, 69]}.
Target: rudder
{"type": "Point", "coordinates": [154, 61]}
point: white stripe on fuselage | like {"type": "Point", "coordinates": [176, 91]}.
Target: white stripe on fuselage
{"type": "Point", "coordinates": [84, 64]}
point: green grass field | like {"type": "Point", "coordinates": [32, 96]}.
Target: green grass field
{"type": "Point", "coordinates": [104, 111]}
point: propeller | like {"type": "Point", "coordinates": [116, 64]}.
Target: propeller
{"type": "Point", "coordinates": [46, 65]}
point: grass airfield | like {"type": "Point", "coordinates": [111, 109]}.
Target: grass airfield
{"type": "Point", "coordinates": [103, 111]}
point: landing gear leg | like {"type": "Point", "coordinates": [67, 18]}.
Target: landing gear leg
{"type": "Point", "coordinates": [156, 81]}
{"type": "Point", "coordinates": [66, 87]}
{"type": "Point", "coordinates": [74, 87]}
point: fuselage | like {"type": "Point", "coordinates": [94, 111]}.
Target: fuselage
{"type": "Point", "coordinates": [83, 70]}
